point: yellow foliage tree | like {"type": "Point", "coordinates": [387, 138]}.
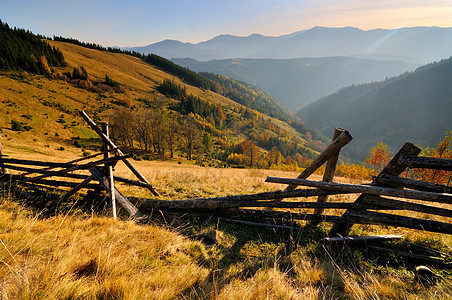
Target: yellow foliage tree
{"type": "Point", "coordinates": [45, 65]}
{"type": "Point", "coordinates": [442, 150]}
{"type": "Point", "coordinates": [379, 156]}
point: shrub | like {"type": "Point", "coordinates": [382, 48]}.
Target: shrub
{"type": "Point", "coordinates": [19, 126]}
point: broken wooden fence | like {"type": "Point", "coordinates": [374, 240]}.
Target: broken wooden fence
{"type": "Point", "coordinates": [366, 209]}
{"type": "Point", "coordinates": [78, 174]}
{"type": "Point", "coordinates": [374, 198]}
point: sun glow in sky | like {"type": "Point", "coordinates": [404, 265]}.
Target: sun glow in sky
{"type": "Point", "coordinates": [141, 22]}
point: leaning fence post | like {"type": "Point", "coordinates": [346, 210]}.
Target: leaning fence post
{"type": "Point", "coordinates": [329, 172]}
{"type": "Point", "coordinates": [118, 152]}
{"type": "Point", "coordinates": [394, 168]}
{"type": "Point", "coordinates": [338, 143]}
{"type": "Point", "coordinates": [109, 170]}
{"type": "Point", "coordinates": [2, 166]}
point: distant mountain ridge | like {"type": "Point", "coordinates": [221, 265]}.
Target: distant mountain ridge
{"type": "Point", "coordinates": [416, 44]}
{"type": "Point", "coordinates": [297, 82]}
{"type": "Point", "coordinates": [415, 106]}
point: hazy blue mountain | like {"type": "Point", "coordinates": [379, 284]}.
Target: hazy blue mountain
{"type": "Point", "coordinates": [416, 44]}
{"type": "Point", "coordinates": [415, 107]}
{"type": "Point", "coordinates": [297, 82]}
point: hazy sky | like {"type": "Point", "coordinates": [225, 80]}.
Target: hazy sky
{"type": "Point", "coordinates": [141, 22]}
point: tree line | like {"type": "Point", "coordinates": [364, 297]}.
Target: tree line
{"type": "Point", "coordinates": [160, 132]}
{"type": "Point", "coordinates": [22, 50]}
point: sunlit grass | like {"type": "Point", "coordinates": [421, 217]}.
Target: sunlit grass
{"type": "Point", "coordinates": [81, 256]}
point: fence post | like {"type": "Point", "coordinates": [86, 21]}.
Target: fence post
{"type": "Point", "coordinates": [109, 169]}
{"type": "Point", "coordinates": [2, 166]}
{"type": "Point", "coordinates": [394, 168]}
{"type": "Point", "coordinates": [329, 172]}
{"type": "Point", "coordinates": [338, 143]}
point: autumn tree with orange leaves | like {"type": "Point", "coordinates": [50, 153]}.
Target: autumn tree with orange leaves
{"type": "Point", "coordinates": [378, 157]}
{"type": "Point", "coordinates": [442, 150]}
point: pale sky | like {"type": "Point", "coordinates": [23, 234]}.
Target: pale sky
{"type": "Point", "coordinates": [142, 22]}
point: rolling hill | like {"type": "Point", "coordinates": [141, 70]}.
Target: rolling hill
{"type": "Point", "coordinates": [299, 81]}
{"type": "Point", "coordinates": [418, 45]}
{"type": "Point", "coordinates": [41, 110]}
{"type": "Point", "coordinates": [415, 106]}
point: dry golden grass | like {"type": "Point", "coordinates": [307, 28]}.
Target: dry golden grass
{"type": "Point", "coordinates": [70, 256]}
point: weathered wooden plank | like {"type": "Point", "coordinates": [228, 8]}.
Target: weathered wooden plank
{"type": "Point", "coordinates": [71, 169]}
{"type": "Point", "coordinates": [426, 162]}
{"type": "Point", "coordinates": [28, 162]}
{"type": "Point", "coordinates": [378, 202]}
{"type": "Point", "coordinates": [292, 216]}
{"type": "Point", "coordinates": [330, 168]}
{"type": "Point", "coordinates": [77, 176]}
{"type": "Point", "coordinates": [372, 217]}
{"type": "Point", "coordinates": [385, 179]}
{"type": "Point", "coordinates": [131, 209]}
{"type": "Point", "coordinates": [109, 171]}
{"type": "Point", "coordinates": [343, 139]}
{"type": "Point", "coordinates": [60, 183]}
{"type": "Point", "coordinates": [148, 203]}
{"type": "Point", "coordinates": [43, 171]}
{"type": "Point", "coordinates": [128, 163]}
{"type": "Point", "coordinates": [373, 190]}
{"type": "Point", "coordinates": [15, 177]}
{"type": "Point", "coordinates": [396, 167]}
{"type": "Point", "coordinates": [70, 162]}
{"type": "Point", "coordinates": [78, 187]}
{"type": "Point", "coordinates": [216, 204]}
{"type": "Point", "coordinates": [361, 239]}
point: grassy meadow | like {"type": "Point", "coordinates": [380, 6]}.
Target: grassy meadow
{"type": "Point", "coordinates": [84, 254]}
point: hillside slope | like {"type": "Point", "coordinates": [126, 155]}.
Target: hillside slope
{"type": "Point", "coordinates": [415, 107]}
{"type": "Point", "coordinates": [47, 106]}
{"type": "Point", "coordinates": [297, 82]}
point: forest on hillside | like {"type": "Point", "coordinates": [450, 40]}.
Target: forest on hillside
{"type": "Point", "coordinates": [414, 106]}
{"type": "Point", "coordinates": [22, 50]}
{"type": "Point", "coordinates": [198, 129]}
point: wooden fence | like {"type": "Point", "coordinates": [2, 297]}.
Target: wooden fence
{"type": "Point", "coordinates": [378, 196]}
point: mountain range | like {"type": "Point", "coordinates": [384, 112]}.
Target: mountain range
{"type": "Point", "coordinates": [417, 45]}
{"type": "Point", "coordinates": [299, 81]}
{"type": "Point", "coordinates": [415, 106]}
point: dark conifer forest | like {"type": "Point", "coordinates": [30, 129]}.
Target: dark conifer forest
{"type": "Point", "coordinates": [20, 49]}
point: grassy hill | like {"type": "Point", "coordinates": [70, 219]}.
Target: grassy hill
{"type": "Point", "coordinates": [47, 107]}
{"type": "Point", "coordinates": [415, 107]}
